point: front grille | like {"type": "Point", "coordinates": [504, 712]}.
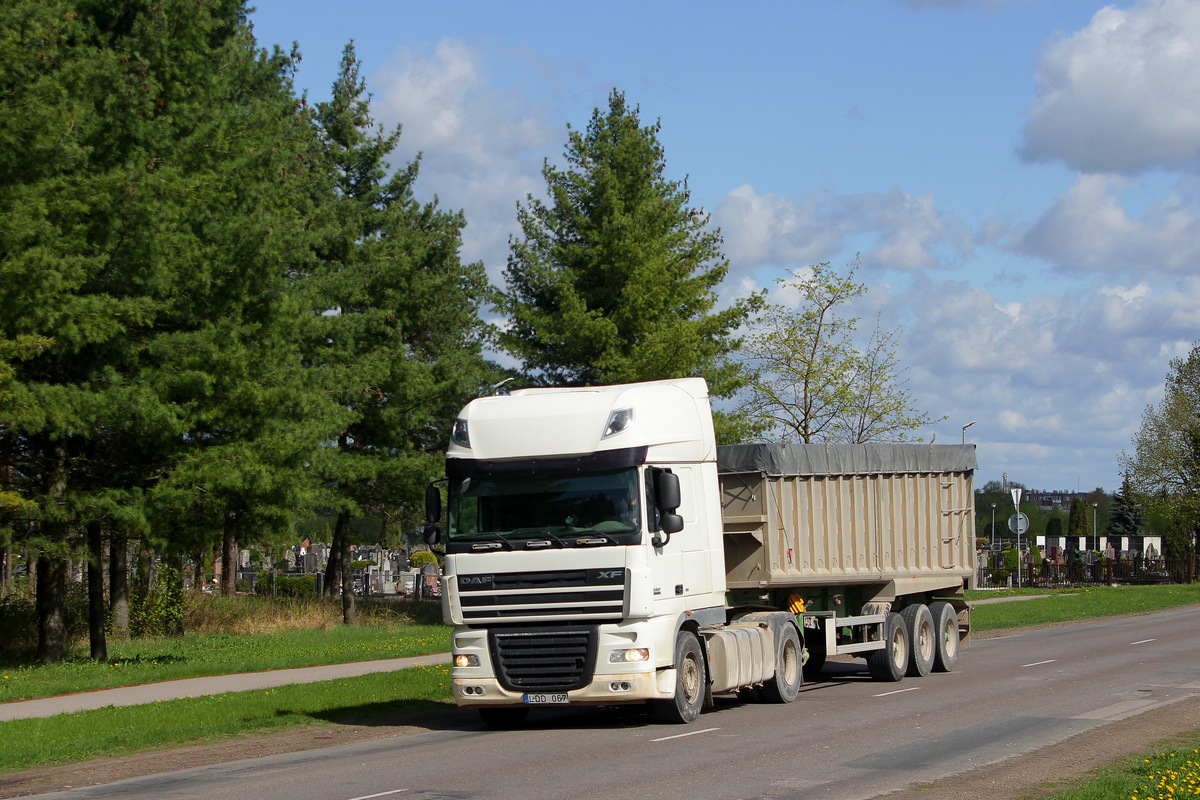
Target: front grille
{"type": "Point", "coordinates": [586, 594]}
{"type": "Point", "coordinates": [547, 579]}
{"type": "Point", "coordinates": [543, 659]}
{"type": "Point", "coordinates": [557, 598]}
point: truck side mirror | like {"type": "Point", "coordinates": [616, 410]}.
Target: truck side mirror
{"type": "Point", "coordinates": [433, 503]}
{"type": "Point", "coordinates": [433, 513]}
{"type": "Point", "coordinates": [666, 489]}
{"type": "Point", "coordinates": [667, 498]}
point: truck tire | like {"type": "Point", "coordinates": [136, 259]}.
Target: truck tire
{"type": "Point", "coordinates": [789, 672]}
{"type": "Point", "coordinates": [503, 718]}
{"type": "Point", "coordinates": [922, 639]}
{"type": "Point", "coordinates": [945, 623]}
{"type": "Point", "coordinates": [691, 680]}
{"type": "Point", "coordinates": [890, 663]}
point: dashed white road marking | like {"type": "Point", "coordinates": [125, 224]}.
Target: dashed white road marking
{"type": "Point", "coordinates": [379, 794]}
{"type": "Point", "coordinates": [681, 735]}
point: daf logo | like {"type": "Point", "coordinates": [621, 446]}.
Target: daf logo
{"type": "Point", "coordinates": [475, 580]}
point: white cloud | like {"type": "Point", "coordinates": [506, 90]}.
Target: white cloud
{"type": "Point", "coordinates": [1088, 229]}
{"type": "Point", "coordinates": [773, 229]}
{"type": "Point", "coordinates": [482, 145]}
{"type": "Point", "coordinates": [908, 232]}
{"type": "Point", "coordinates": [1120, 95]}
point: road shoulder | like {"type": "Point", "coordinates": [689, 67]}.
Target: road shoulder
{"type": "Point", "coordinates": [1052, 769]}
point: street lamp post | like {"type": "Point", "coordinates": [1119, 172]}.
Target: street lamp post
{"type": "Point", "coordinates": [1095, 538]}
{"type": "Point", "coordinates": [993, 542]}
{"type": "Point", "coordinates": [964, 430]}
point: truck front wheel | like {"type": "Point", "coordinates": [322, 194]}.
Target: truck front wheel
{"type": "Point", "coordinates": [690, 682]}
{"type": "Point", "coordinates": [891, 662]}
{"type": "Point", "coordinates": [789, 673]}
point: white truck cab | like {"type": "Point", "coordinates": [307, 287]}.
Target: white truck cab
{"type": "Point", "coordinates": [583, 551]}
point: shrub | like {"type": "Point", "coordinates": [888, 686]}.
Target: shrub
{"type": "Point", "coordinates": [421, 558]}
{"type": "Point", "coordinates": [303, 587]}
{"type": "Point", "coordinates": [18, 619]}
{"type": "Point", "coordinates": [1012, 559]}
{"type": "Point", "coordinates": [159, 612]}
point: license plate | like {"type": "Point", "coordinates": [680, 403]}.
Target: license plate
{"type": "Point", "coordinates": [547, 699]}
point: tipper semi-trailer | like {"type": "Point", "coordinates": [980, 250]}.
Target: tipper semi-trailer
{"type": "Point", "coordinates": [602, 550]}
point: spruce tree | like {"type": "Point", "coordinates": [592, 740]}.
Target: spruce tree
{"type": "Point", "coordinates": [615, 276]}
{"type": "Point", "coordinates": [1125, 519]}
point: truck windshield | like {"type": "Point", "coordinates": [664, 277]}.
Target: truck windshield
{"type": "Point", "coordinates": [537, 511]}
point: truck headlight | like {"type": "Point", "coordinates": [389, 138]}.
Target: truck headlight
{"type": "Point", "coordinates": [460, 434]}
{"type": "Point", "coordinates": [631, 656]}
{"type": "Point", "coordinates": [466, 660]}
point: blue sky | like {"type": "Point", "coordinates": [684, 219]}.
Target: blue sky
{"type": "Point", "coordinates": [1018, 176]}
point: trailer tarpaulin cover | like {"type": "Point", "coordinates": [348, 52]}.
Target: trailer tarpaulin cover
{"type": "Point", "coordinates": [845, 459]}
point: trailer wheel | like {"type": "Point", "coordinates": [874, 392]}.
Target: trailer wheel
{"type": "Point", "coordinates": [890, 663]}
{"type": "Point", "coordinates": [789, 673]}
{"type": "Point", "coordinates": [922, 639]}
{"type": "Point", "coordinates": [945, 623]}
{"type": "Point", "coordinates": [503, 717]}
{"type": "Point", "coordinates": [690, 683]}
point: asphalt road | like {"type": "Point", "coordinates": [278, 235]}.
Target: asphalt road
{"type": "Point", "coordinates": [845, 738]}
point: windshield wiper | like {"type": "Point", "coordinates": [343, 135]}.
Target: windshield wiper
{"type": "Point", "coordinates": [531, 537]}
{"type": "Point", "coordinates": [579, 535]}
{"type": "Point", "coordinates": [487, 541]}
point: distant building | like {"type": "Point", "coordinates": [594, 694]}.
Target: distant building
{"type": "Point", "coordinates": [1053, 501]}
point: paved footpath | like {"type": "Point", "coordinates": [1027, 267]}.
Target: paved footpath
{"type": "Point", "coordinates": [215, 684]}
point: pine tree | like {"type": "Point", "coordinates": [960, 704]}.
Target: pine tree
{"type": "Point", "coordinates": [398, 336]}
{"type": "Point", "coordinates": [615, 278]}
{"type": "Point", "coordinates": [145, 238]}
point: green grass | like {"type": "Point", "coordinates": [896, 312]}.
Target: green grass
{"type": "Point", "coordinates": [1080, 604]}
{"type": "Point", "coordinates": [197, 655]}
{"type": "Point", "coordinates": [1170, 775]}
{"type": "Point", "coordinates": [69, 738]}
{"type": "Point", "coordinates": [987, 594]}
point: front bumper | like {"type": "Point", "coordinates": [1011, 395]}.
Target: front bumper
{"type": "Point", "coordinates": [604, 690]}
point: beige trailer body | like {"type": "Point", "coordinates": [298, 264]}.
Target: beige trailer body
{"type": "Point", "coordinates": [898, 517]}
